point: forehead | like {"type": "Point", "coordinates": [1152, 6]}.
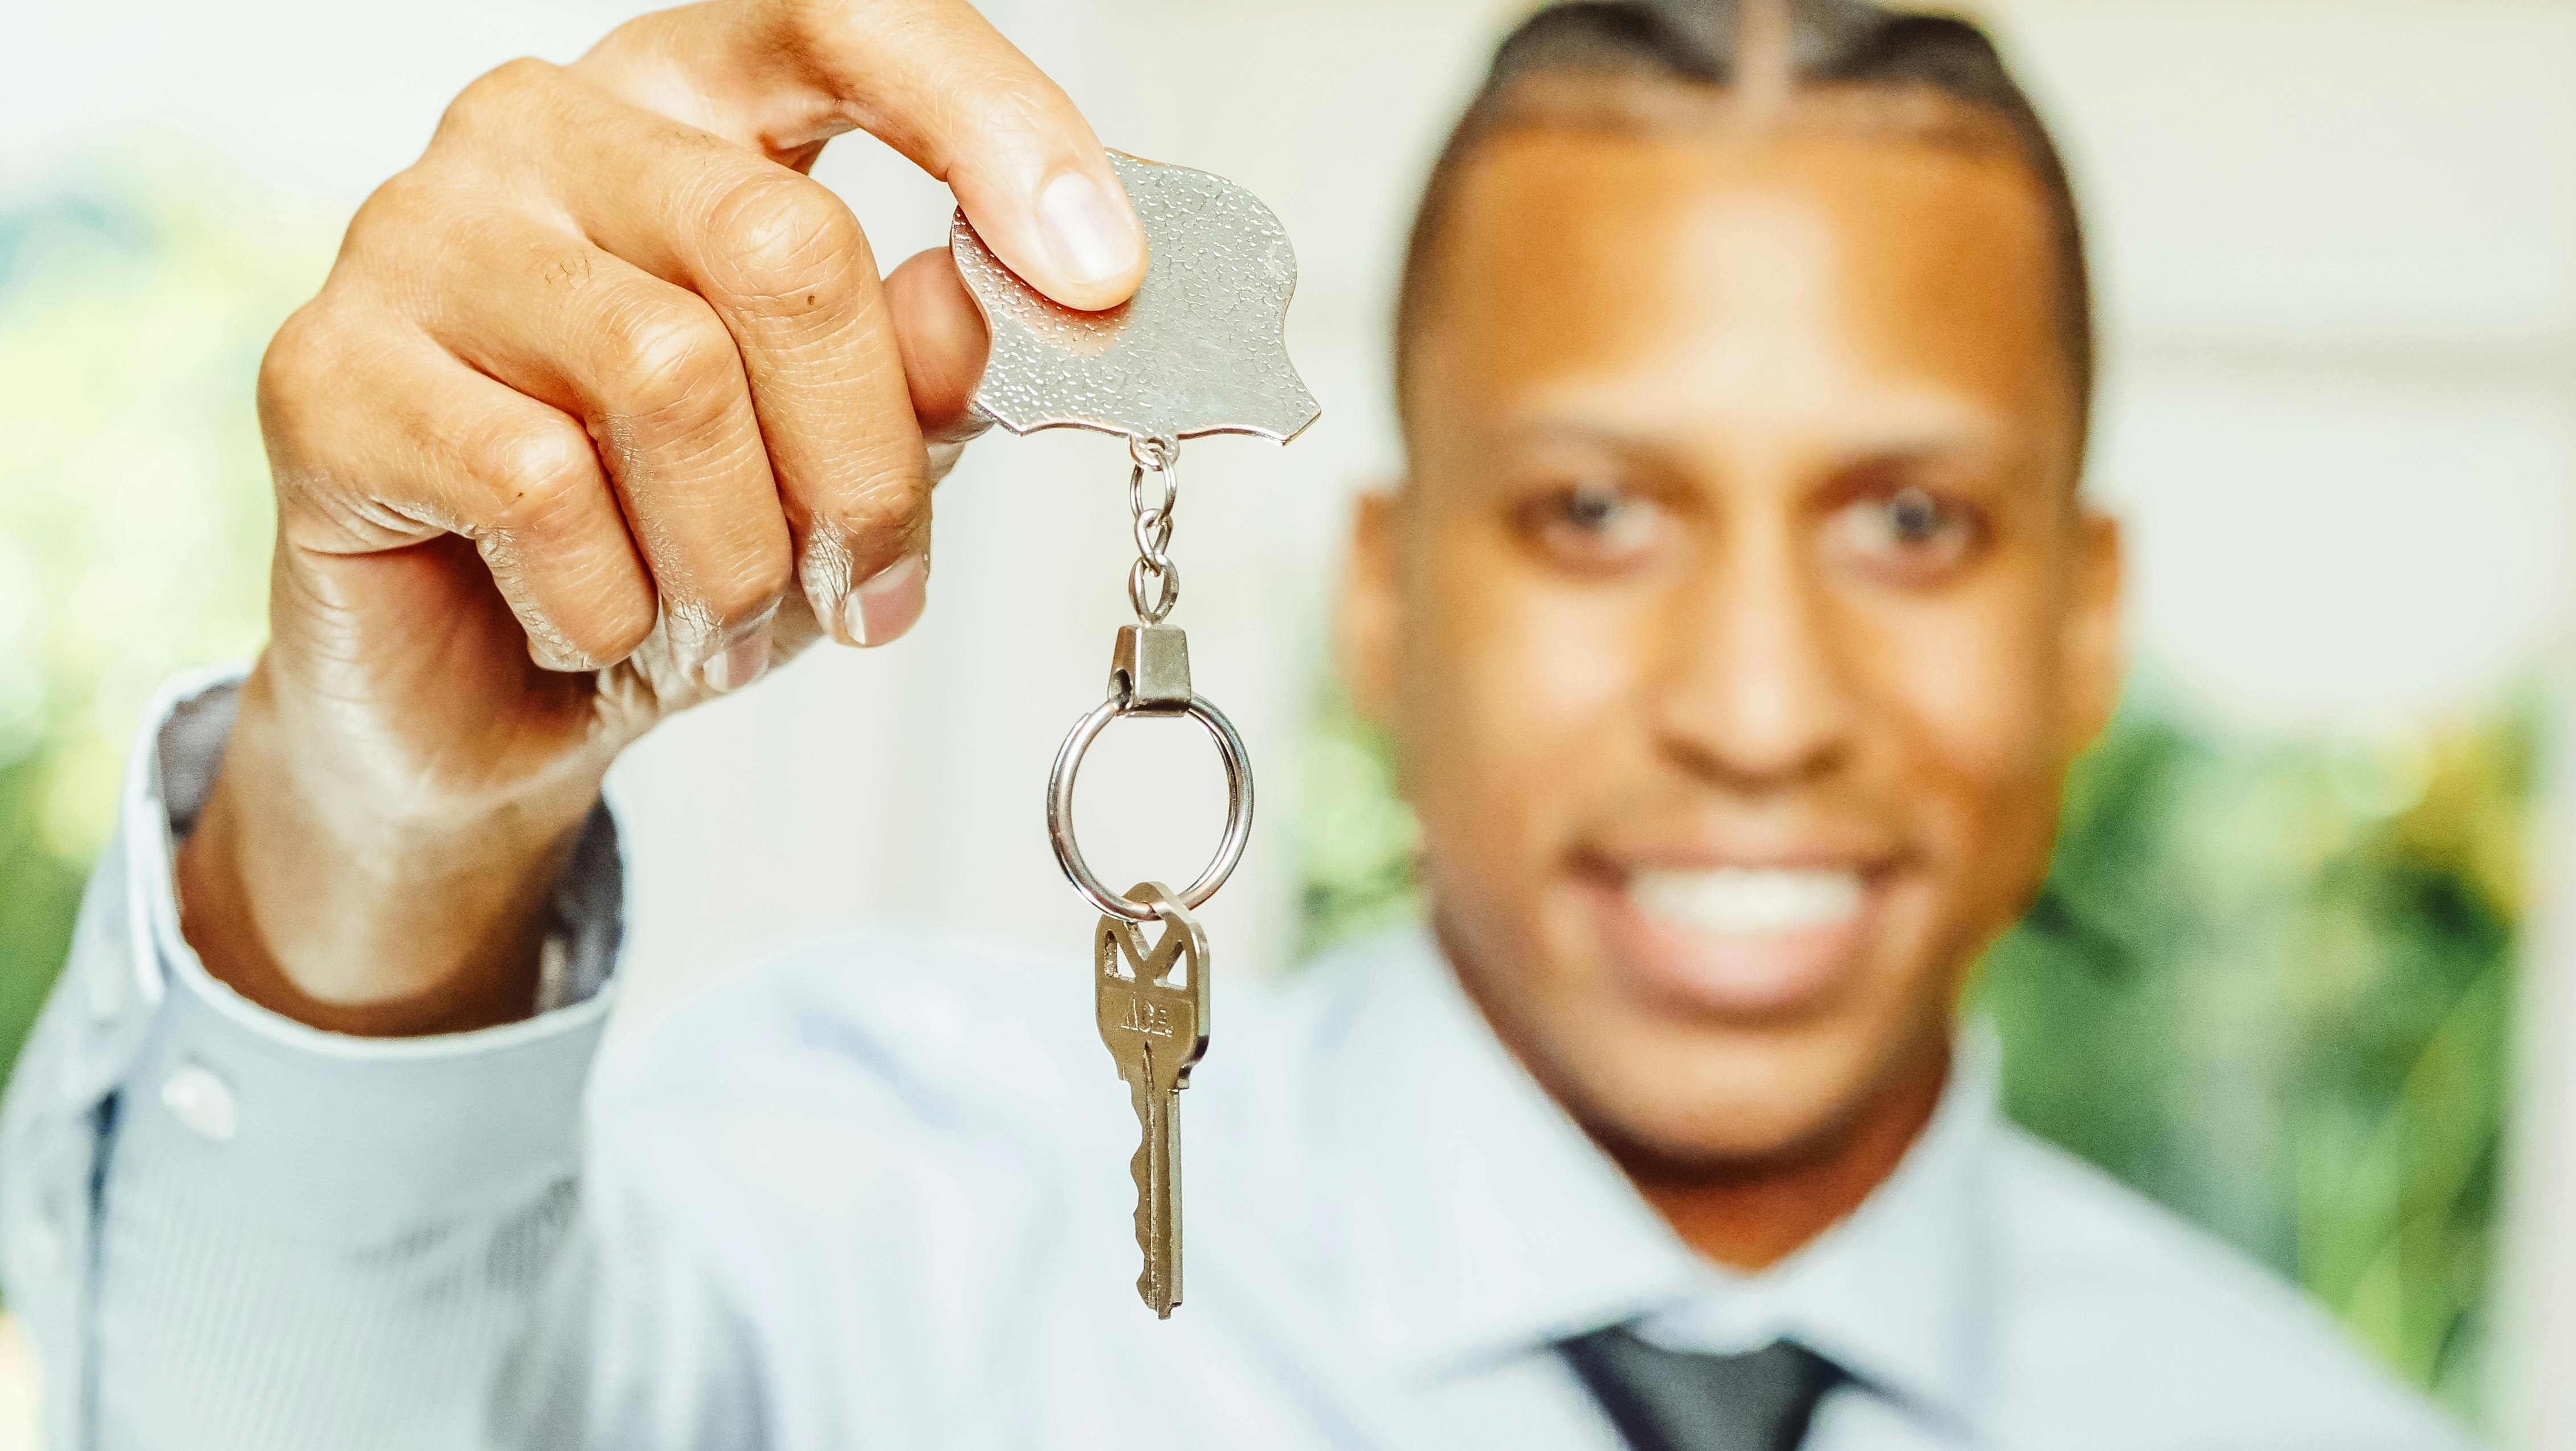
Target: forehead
{"type": "Point", "coordinates": [1784, 275]}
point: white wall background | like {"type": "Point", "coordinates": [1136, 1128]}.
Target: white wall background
{"type": "Point", "coordinates": [2337, 241]}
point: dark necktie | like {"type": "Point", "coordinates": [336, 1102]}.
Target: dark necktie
{"type": "Point", "coordinates": [1671, 1400]}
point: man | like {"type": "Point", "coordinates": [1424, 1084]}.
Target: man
{"type": "Point", "coordinates": [1736, 621]}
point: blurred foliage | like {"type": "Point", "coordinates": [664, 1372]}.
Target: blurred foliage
{"type": "Point", "coordinates": [2268, 983]}
{"type": "Point", "coordinates": [2271, 984]}
{"type": "Point", "coordinates": [134, 515]}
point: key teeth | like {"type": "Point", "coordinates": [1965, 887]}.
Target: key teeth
{"type": "Point", "coordinates": [1145, 1286]}
{"type": "Point", "coordinates": [1149, 1286]}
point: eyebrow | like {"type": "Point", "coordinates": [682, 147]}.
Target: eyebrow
{"type": "Point", "coordinates": [1967, 439]}
{"type": "Point", "coordinates": [1844, 469]}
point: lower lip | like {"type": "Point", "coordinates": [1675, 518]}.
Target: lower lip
{"type": "Point", "coordinates": [1773, 977]}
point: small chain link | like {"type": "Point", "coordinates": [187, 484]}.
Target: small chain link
{"type": "Point", "coordinates": [1161, 458]}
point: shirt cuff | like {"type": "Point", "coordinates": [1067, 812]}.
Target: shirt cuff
{"type": "Point", "coordinates": [325, 1131]}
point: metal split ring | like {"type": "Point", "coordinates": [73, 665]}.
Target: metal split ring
{"type": "Point", "coordinates": [1238, 805]}
{"type": "Point", "coordinates": [1167, 589]}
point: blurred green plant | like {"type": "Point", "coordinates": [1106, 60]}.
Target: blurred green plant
{"type": "Point", "coordinates": [2271, 983]}
{"type": "Point", "coordinates": [134, 514]}
{"type": "Point", "coordinates": [2268, 982]}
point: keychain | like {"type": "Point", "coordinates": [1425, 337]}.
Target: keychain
{"type": "Point", "coordinates": [1197, 350]}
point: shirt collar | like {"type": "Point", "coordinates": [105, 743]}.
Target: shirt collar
{"type": "Point", "coordinates": [1481, 1224]}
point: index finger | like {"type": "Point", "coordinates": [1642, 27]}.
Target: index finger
{"type": "Point", "coordinates": [932, 79]}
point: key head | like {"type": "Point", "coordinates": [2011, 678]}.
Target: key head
{"type": "Point", "coordinates": [1152, 1002]}
{"type": "Point", "coordinates": [1199, 348]}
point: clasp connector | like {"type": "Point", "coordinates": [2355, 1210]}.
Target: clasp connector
{"type": "Point", "coordinates": [1150, 669]}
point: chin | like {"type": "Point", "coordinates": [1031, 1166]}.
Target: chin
{"type": "Point", "coordinates": [1690, 1095]}
{"type": "Point", "coordinates": [1714, 1016]}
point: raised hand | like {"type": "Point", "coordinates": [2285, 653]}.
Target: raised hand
{"type": "Point", "coordinates": [604, 408]}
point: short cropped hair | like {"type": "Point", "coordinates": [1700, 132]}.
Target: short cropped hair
{"type": "Point", "coordinates": [1847, 45]}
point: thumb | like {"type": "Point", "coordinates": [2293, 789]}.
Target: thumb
{"type": "Point", "coordinates": [932, 79]}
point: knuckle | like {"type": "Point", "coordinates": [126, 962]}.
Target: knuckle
{"type": "Point", "coordinates": [619, 628]}
{"type": "Point", "coordinates": [490, 99]}
{"type": "Point", "coordinates": [606, 628]}
{"type": "Point", "coordinates": [583, 619]}
{"type": "Point", "coordinates": [672, 360]}
{"type": "Point", "coordinates": [538, 480]}
{"type": "Point", "coordinates": [301, 369]}
{"type": "Point", "coordinates": [565, 270]}
{"type": "Point", "coordinates": [893, 500]}
{"type": "Point", "coordinates": [880, 516]}
{"type": "Point", "coordinates": [564, 565]}
{"type": "Point", "coordinates": [811, 26]}
{"type": "Point", "coordinates": [406, 205]}
{"type": "Point", "coordinates": [785, 239]}
{"type": "Point", "coordinates": [749, 586]}
{"type": "Point", "coordinates": [296, 356]}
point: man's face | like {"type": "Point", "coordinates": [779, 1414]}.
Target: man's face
{"type": "Point", "coordinates": [1739, 618]}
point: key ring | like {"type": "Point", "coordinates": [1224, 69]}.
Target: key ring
{"type": "Point", "coordinates": [1068, 764]}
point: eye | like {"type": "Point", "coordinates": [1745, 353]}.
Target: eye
{"type": "Point", "coordinates": [1916, 518]}
{"type": "Point", "coordinates": [1909, 535]}
{"type": "Point", "coordinates": [1593, 526]}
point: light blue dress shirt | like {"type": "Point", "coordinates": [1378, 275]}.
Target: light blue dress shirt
{"type": "Point", "coordinates": [874, 1193]}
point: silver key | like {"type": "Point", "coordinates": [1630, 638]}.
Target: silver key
{"type": "Point", "coordinates": [1153, 1011]}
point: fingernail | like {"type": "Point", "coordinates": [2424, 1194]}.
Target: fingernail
{"type": "Point", "coordinates": [885, 606]}
{"type": "Point", "coordinates": [1091, 235]}
{"type": "Point", "coordinates": [939, 459]}
{"type": "Point", "coordinates": [738, 664]}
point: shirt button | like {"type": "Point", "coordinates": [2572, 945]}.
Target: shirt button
{"type": "Point", "coordinates": [197, 1098]}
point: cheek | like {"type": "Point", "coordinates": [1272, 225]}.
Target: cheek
{"type": "Point", "coordinates": [1515, 687]}
{"type": "Point", "coordinates": [1969, 687]}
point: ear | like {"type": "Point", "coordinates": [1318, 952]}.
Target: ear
{"type": "Point", "coordinates": [1368, 619]}
{"type": "Point", "coordinates": [2095, 644]}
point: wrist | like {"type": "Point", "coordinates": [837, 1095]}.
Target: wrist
{"type": "Point", "coordinates": [328, 902]}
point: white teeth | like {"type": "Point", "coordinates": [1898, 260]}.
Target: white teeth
{"type": "Point", "coordinates": [1741, 902]}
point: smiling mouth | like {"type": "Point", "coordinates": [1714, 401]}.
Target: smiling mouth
{"type": "Point", "coordinates": [1746, 943]}
{"type": "Point", "coordinates": [1748, 902]}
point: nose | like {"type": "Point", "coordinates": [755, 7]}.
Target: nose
{"type": "Point", "coordinates": [1753, 696]}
